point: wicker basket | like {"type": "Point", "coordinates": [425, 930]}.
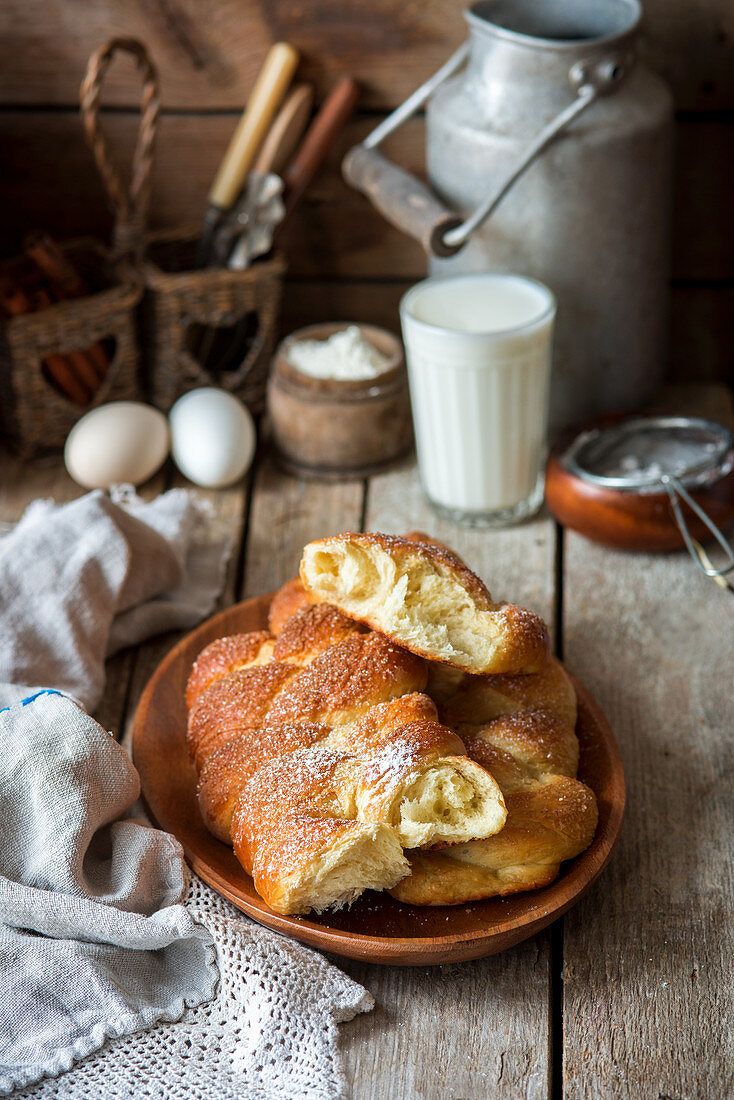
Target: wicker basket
{"type": "Point", "coordinates": [35, 415]}
{"type": "Point", "coordinates": [184, 308]}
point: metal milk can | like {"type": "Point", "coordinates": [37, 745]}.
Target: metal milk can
{"type": "Point", "coordinates": [549, 155]}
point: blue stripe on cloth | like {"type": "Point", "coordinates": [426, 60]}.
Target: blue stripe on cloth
{"type": "Point", "coordinates": [30, 699]}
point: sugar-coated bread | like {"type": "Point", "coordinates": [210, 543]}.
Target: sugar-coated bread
{"type": "Point", "coordinates": [423, 597]}
{"type": "Point", "coordinates": [226, 655]}
{"type": "Point", "coordinates": [394, 729]}
{"type": "Point", "coordinates": [547, 822]}
{"type": "Point", "coordinates": [295, 831]}
{"type": "Point", "coordinates": [521, 729]}
{"type": "Point", "coordinates": [286, 601]}
{"type": "Point", "coordinates": [322, 764]}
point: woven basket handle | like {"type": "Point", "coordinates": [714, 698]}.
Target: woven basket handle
{"type": "Point", "coordinates": [130, 205]}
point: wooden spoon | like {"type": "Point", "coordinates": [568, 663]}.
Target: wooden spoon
{"type": "Point", "coordinates": [286, 131]}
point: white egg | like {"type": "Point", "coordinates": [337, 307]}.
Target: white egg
{"type": "Point", "coordinates": [122, 442]}
{"type": "Point", "coordinates": [212, 437]}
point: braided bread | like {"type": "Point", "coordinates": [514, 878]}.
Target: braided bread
{"type": "Point", "coordinates": [422, 596]}
{"type": "Point", "coordinates": [521, 728]}
{"type": "Point", "coordinates": [321, 758]}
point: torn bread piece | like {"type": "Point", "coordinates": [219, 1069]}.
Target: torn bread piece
{"type": "Point", "coordinates": [423, 597]}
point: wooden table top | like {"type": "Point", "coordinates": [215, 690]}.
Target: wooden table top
{"type": "Point", "coordinates": [630, 994]}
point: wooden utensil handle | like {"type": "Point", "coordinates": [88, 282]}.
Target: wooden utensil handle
{"type": "Point", "coordinates": [281, 140]}
{"type": "Point", "coordinates": [320, 137]}
{"type": "Point", "coordinates": [402, 199]}
{"type": "Point", "coordinates": [266, 96]}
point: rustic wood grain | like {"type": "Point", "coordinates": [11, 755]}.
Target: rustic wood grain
{"type": "Point", "coordinates": [653, 641]}
{"type": "Point", "coordinates": [466, 1031]}
{"type": "Point", "coordinates": [287, 513]}
{"type": "Point", "coordinates": [208, 51]}
{"type": "Point", "coordinates": [369, 301]}
{"type": "Point", "coordinates": [702, 334]}
{"type": "Point", "coordinates": [335, 232]}
{"type": "Point", "coordinates": [480, 1029]}
{"type": "Point", "coordinates": [648, 954]}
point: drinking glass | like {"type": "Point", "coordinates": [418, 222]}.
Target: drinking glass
{"type": "Point", "coordinates": [478, 350]}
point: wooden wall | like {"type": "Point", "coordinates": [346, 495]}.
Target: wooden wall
{"type": "Point", "coordinates": [344, 260]}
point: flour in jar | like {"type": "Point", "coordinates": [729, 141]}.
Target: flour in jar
{"type": "Point", "coordinates": [347, 356]}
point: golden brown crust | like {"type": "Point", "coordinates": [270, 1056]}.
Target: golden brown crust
{"type": "Point", "coordinates": [384, 581]}
{"type": "Point", "coordinates": [547, 823]}
{"type": "Point", "coordinates": [287, 814]}
{"type": "Point", "coordinates": [226, 771]}
{"type": "Point", "coordinates": [311, 630]}
{"type": "Point", "coordinates": [299, 755]}
{"type": "Point", "coordinates": [286, 601]}
{"type": "Point", "coordinates": [521, 728]}
{"type": "Point", "coordinates": [537, 742]}
{"type": "Point", "coordinates": [235, 703]}
{"type": "Point", "coordinates": [347, 679]}
{"type": "Point", "coordinates": [479, 699]}
{"type": "Point", "coordinates": [400, 546]}
{"type": "Point", "coordinates": [224, 656]}
{"type": "Point", "coordinates": [379, 727]}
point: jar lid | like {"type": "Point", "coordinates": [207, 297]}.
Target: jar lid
{"type": "Point", "coordinates": [641, 454]}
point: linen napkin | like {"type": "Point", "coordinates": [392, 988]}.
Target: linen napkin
{"type": "Point", "coordinates": [95, 944]}
{"type": "Point", "coordinates": [79, 581]}
{"type": "Point", "coordinates": [93, 940]}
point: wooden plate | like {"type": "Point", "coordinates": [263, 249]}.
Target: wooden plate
{"type": "Point", "coordinates": [376, 928]}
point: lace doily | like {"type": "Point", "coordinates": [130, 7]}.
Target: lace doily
{"type": "Point", "coordinates": [269, 1034]}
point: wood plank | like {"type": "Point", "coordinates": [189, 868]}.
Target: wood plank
{"type": "Point", "coordinates": [335, 232]}
{"type": "Point", "coordinates": [689, 43]}
{"type": "Point", "coordinates": [22, 481]}
{"type": "Point", "coordinates": [208, 51]}
{"type": "Point", "coordinates": [306, 301]}
{"type": "Point", "coordinates": [648, 981]}
{"type": "Point", "coordinates": [703, 240]}
{"type": "Point", "coordinates": [466, 1031]}
{"type": "Point", "coordinates": [477, 1029]}
{"type": "Point", "coordinates": [287, 513]}
{"type": "Point", "coordinates": [702, 334]}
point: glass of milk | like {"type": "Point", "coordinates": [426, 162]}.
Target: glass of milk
{"type": "Point", "coordinates": [478, 350]}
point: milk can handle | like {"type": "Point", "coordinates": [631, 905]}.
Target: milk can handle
{"type": "Point", "coordinates": [411, 206]}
